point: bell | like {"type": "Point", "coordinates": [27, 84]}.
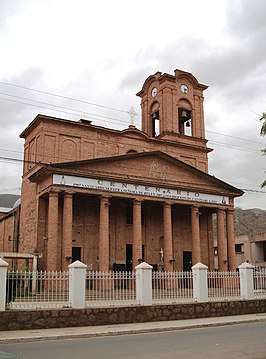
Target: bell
{"type": "Point", "coordinates": [154, 116]}
{"type": "Point", "coordinates": [187, 124]}
{"type": "Point", "coordinates": [184, 116]}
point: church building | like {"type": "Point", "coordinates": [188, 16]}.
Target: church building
{"type": "Point", "coordinates": [113, 199]}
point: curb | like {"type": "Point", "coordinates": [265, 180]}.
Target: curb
{"type": "Point", "coordinates": [113, 331]}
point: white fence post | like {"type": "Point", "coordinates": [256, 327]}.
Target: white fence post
{"type": "Point", "coordinates": [246, 281]}
{"type": "Point", "coordinates": [77, 284]}
{"type": "Point", "coordinates": [3, 271]}
{"type": "Point", "coordinates": [144, 283]}
{"type": "Point", "coordinates": [200, 285]}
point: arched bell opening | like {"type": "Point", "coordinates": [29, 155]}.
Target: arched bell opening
{"type": "Point", "coordinates": [184, 122]}
{"type": "Point", "coordinates": [155, 125]}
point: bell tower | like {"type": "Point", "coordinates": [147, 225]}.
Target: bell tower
{"type": "Point", "coordinates": [172, 106]}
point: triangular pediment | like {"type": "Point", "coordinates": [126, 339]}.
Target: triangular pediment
{"type": "Point", "coordinates": [151, 168]}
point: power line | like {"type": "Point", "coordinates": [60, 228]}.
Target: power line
{"type": "Point", "coordinates": [93, 104]}
{"type": "Point", "coordinates": [213, 142]}
{"type": "Point", "coordinates": [20, 161]}
{"type": "Point", "coordinates": [235, 137]}
{"type": "Point", "coordinates": [66, 112]}
{"type": "Point", "coordinates": [234, 147]}
{"type": "Point", "coordinates": [57, 107]}
{"type": "Point", "coordinates": [118, 121]}
{"type": "Point", "coordinates": [92, 114]}
{"type": "Point", "coordinates": [64, 97]}
{"type": "Point", "coordinates": [253, 190]}
{"type": "Point", "coordinates": [222, 144]}
{"type": "Point", "coordinates": [9, 159]}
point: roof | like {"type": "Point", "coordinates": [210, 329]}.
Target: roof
{"type": "Point", "coordinates": [5, 209]}
{"type": "Point", "coordinates": [161, 77]}
{"type": "Point", "coordinates": [66, 167]}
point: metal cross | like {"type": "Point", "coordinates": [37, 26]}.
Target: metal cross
{"type": "Point", "coordinates": [132, 113]}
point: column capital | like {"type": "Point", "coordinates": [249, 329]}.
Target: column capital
{"type": "Point", "coordinates": [219, 209]}
{"type": "Point", "coordinates": [169, 204]}
{"type": "Point", "coordinates": [230, 210]}
{"type": "Point", "coordinates": [104, 199]}
{"type": "Point", "coordinates": [54, 191]}
{"type": "Point", "coordinates": [137, 201]}
{"type": "Point", "coordinates": [195, 209]}
{"type": "Point", "coordinates": [69, 193]}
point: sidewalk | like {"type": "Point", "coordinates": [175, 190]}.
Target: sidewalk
{"type": "Point", "coordinates": [120, 329]}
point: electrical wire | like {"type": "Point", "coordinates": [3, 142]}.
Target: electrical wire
{"type": "Point", "coordinates": [114, 120]}
{"type": "Point", "coordinates": [20, 161]}
{"type": "Point", "coordinates": [58, 108]}
{"type": "Point", "coordinates": [94, 104]}
{"type": "Point", "coordinates": [66, 112]}
{"type": "Point", "coordinates": [235, 137]}
{"type": "Point", "coordinates": [212, 142]}
{"type": "Point", "coordinates": [64, 97]}
{"type": "Point", "coordinates": [118, 121]}
{"type": "Point", "coordinates": [234, 147]}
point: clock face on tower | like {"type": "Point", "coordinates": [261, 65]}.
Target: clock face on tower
{"type": "Point", "coordinates": [184, 88]}
{"type": "Point", "coordinates": [154, 92]}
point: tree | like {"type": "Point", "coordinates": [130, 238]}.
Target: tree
{"type": "Point", "coordinates": [263, 133]}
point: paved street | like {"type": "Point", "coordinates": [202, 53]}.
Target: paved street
{"type": "Point", "coordinates": [230, 341]}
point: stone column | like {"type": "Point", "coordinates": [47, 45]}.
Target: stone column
{"type": "Point", "coordinates": [104, 235]}
{"type": "Point", "coordinates": [67, 230]}
{"type": "Point", "coordinates": [168, 237]}
{"type": "Point", "coordinates": [137, 234]}
{"type": "Point", "coordinates": [230, 240]}
{"type": "Point", "coordinates": [222, 258]}
{"type": "Point", "coordinates": [52, 232]}
{"type": "Point", "coordinates": [195, 234]}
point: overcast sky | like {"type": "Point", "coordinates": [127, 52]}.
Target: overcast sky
{"type": "Point", "coordinates": [101, 52]}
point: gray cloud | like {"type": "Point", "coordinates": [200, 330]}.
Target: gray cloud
{"type": "Point", "coordinates": [134, 79]}
{"type": "Point", "coordinates": [246, 19]}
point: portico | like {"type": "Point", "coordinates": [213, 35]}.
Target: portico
{"type": "Point", "coordinates": [102, 218]}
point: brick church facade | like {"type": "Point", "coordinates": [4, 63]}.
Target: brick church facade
{"type": "Point", "coordinates": [115, 198]}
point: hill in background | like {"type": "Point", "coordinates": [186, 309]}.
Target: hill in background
{"type": "Point", "coordinates": [248, 221]}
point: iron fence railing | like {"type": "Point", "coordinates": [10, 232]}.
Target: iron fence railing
{"type": "Point", "coordinates": [172, 287]}
{"type": "Point", "coordinates": [223, 285]}
{"type": "Point", "coordinates": [35, 290]}
{"type": "Point", "coordinates": [26, 289]}
{"type": "Point", "coordinates": [259, 279]}
{"type": "Point", "coordinates": [110, 288]}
